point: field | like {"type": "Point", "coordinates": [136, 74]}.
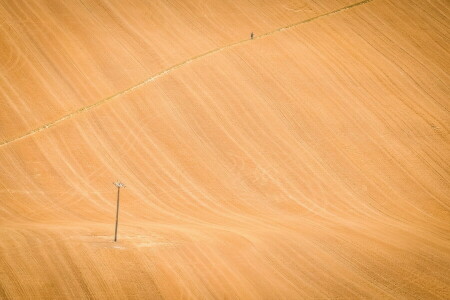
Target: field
{"type": "Point", "coordinates": [310, 162]}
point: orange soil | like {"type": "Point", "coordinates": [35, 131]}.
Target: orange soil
{"type": "Point", "coordinates": [310, 162]}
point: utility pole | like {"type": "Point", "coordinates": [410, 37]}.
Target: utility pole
{"type": "Point", "coordinates": [119, 185]}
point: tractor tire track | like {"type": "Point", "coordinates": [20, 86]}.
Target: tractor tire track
{"type": "Point", "coordinates": [173, 68]}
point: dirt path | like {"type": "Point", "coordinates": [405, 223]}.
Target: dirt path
{"type": "Point", "coordinates": [173, 68]}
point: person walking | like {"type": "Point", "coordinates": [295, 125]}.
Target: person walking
{"type": "Point", "coordinates": [251, 35]}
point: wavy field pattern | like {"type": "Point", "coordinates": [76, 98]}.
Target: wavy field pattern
{"type": "Point", "coordinates": [311, 162]}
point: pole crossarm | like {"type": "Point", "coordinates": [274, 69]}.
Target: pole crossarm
{"type": "Point", "coordinates": [119, 184]}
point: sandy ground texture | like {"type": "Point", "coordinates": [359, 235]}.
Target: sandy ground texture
{"type": "Point", "coordinates": [311, 162]}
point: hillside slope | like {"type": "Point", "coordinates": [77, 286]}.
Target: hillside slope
{"type": "Point", "coordinates": [310, 162]}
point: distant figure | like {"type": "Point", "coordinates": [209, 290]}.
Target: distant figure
{"type": "Point", "coordinates": [251, 35]}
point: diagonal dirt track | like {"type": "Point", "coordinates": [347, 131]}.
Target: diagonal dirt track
{"type": "Point", "coordinates": [173, 68]}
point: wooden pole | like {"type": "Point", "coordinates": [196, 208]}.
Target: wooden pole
{"type": "Point", "coordinates": [117, 214]}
